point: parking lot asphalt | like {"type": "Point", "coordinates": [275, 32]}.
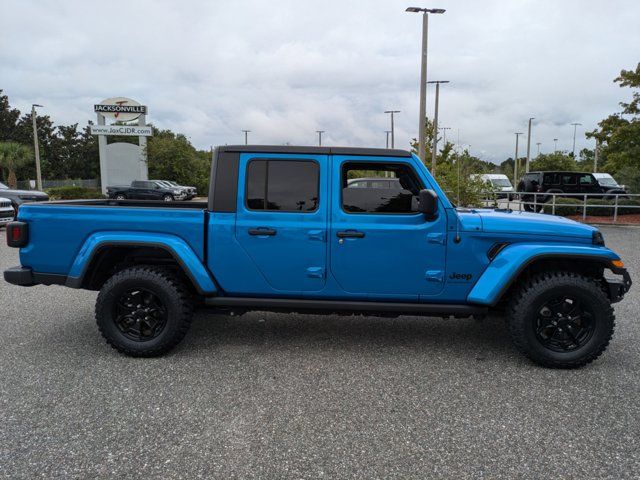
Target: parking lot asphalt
{"type": "Point", "coordinates": [288, 396]}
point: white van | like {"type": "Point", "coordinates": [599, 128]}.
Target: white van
{"type": "Point", "coordinates": [497, 183]}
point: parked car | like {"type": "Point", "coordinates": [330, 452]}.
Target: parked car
{"type": "Point", "coordinates": [497, 184]}
{"type": "Point", "coordinates": [375, 182]}
{"type": "Point", "coordinates": [285, 230]}
{"type": "Point", "coordinates": [609, 184]}
{"type": "Point", "coordinates": [18, 197]}
{"type": "Point", "coordinates": [191, 192]}
{"type": "Point", "coordinates": [557, 182]}
{"type": "Point", "coordinates": [146, 190]}
{"type": "Point", "coordinates": [6, 211]}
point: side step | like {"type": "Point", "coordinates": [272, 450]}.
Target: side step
{"type": "Point", "coordinates": [345, 306]}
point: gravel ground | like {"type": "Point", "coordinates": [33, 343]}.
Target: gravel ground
{"type": "Point", "coordinates": [286, 396]}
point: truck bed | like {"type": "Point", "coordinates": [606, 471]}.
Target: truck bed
{"type": "Point", "coordinates": [58, 230]}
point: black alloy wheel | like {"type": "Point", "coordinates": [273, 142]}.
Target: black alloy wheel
{"type": "Point", "coordinates": [564, 324]}
{"type": "Point", "coordinates": [140, 315]}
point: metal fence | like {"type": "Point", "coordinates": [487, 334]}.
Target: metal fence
{"type": "Point", "coordinates": [549, 202]}
{"type": "Point", "coordinates": [90, 183]}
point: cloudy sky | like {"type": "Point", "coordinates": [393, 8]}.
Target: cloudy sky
{"type": "Point", "coordinates": [285, 68]}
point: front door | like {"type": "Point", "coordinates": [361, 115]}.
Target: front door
{"type": "Point", "coordinates": [381, 246]}
{"type": "Point", "coordinates": [282, 219]}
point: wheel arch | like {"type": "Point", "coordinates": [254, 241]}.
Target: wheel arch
{"type": "Point", "coordinates": [103, 255]}
{"type": "Point", "coordinates": [518, 262]}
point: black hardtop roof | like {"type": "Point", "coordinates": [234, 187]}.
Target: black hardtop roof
{"type": "Point", "coordinates": [378, 152]}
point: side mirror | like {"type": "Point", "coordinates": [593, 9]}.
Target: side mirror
{"type": "Point", "coordinates": [428, 203]}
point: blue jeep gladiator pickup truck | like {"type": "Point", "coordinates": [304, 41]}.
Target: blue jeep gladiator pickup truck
{"type": "Point", "coordinates": [284, 229]}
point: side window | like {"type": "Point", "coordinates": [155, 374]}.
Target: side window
{"type": "Point", "coordinates": [358, 184]}
{"type": "Point", "coordinates": [551, 179]}
{"type": "Point", "coordinates": [586, 180]}
{"type": "Point", "coordinates": [396, 192]}
{"type": "Point", "coordinates": [568, 179]}
{"type": "Point", "coordinates": [282, 185]}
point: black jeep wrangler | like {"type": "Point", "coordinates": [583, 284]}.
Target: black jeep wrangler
{"type": "Point", "coordinates": [558, 182]}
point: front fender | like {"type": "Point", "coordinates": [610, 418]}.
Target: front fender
{"type": "Point", "coordinates": [176, 246]}
{"type": "Point", "coordinates": [508, 264]}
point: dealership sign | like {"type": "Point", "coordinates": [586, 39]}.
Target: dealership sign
{"type": "Point", "coordinates": [120, 109]}
{"type": "Point", "coordinates": [129, 130]}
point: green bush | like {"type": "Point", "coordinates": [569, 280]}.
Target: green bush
{"type": "Point", "coordinates": [599, 211]}
{"type": "Point", "coordinates": [622, 202]}
{"type": "Point", "coordinates": [73, 193]}
{"type": "Point", "coordinates": [564, 206]}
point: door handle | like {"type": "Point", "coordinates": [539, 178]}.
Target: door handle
{"type": "Point", "coordinates": [350, 234]}
{"type": "Point", "coordinates": [270, 232]}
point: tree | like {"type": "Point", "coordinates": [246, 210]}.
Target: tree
{"type": "Point", "coordinates": [12, 156]}
{"type": "Point", "coordinates": [553, 161]}
{"type": "Point", "coordinates": [171, 156]}
{"type": "Point", "coordinates": [619, 133]}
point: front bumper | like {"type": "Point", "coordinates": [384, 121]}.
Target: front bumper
{"type": "Point", "coordinates": [6, 216]}
{"type": "Point", "coordinates": [618, 288]}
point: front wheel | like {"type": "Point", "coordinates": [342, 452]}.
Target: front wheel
{"type": "Point", "coordinates": [561, 320]}
{"type": "Point", "coordinates": [167, 198]}
{"type": "Point", "coordinates": [143, 311]}
{"type": "Point", "coordinates": [121, 196]}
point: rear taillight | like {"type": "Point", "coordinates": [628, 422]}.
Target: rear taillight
{"type": "Point", "coordinates": [17, 234]}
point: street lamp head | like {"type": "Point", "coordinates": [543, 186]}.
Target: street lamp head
{"type": "Point", "coordinates": [392, 111]}
{"type": "Point", "coordinates": [425, 10]}
{"type": "Point", "coordinates": [36, 105]}
{"type": "Point", "coordinates": [438, 81]}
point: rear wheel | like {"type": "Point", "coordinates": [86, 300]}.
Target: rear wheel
{"type": "Point", "coordinates": [121, 196]}
{"type": "Point", "coordinates": [167, 198]}
{"type": "Point", "coordinates": [561, 320]}
{"type": "Point", "coordinates": [143, 311]}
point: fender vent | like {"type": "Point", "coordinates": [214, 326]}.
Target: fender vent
{"type": "Point", "coordinates": [495, 249]}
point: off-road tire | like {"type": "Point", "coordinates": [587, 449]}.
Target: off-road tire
{"type": "Point", "coordinates": [168, 289]}
{"type": "Point", "coordinates": [523, 309]}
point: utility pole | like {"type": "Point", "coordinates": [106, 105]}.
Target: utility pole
{"type": "Point", "coordinates": [319, 132]}
{"type": "Point", "coordinates": [538, 144]}
{"type": "Point", "coordinates": [575, 126]}
{"type": "Point", "coordinates": [435, 126]}
{"type": "Point", "coordinates": [36, 145]}
{"type": "Point", "coordinates": [246, 136]}
{"type": "Point", "coordinates": [393, 143]}
{"type": "Point", "coordinates": [555, 145]}
{"type": "Point", "coordinates": [515, 163]}
{"type": "Point", "coordinates": [387, 132]}
{"type": "Point", "coordinates": [422, 143]}
{"type": "Point", "coordinates": [526, 166]}
{"type": "Point", "coordinates": [444, 133]}
{"type": "Point", "coordinates": [595, 156]}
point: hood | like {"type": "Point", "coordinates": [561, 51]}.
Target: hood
{"type": "Point", "coordinates": [31, 193]}
{"type": "Point", "coordinates": [505, 221]}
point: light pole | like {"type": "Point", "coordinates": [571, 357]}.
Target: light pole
{"type": "Point", "coordinates": [575, 127]}
{"type": "Point", "coordinates": [36, 146]}
{"type": "Point", "coordinates": [387, 132]}
{"type": "Point", "coordinates": [555, 145]}
{"type": "Point", "coordinates": [435, 126]}
{"type": "Point", "coordinates": [538, 144]}
{"type": "Point", "coordinates": [444, 133]}
{"type": "Point", "coordinates": [393, 143]}
{"type": "Point", "coordinates": [526, 166]}
{"type": "Point", "coordinates": [422, 144]}
{"type": "Point", "coordinates": [319, 132]}
{"type": "Point", "coordinates": [246, 136]}
{"type": "Point", "coordinates": [595, 156]}
{"type": "Point", "coordinates": [515, 163]}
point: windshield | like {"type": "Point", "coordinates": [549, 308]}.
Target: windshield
{"type": "Point", "coordinates": [607, 181]}
{"type": "Point", "coordinates": [501, 182]}
{"type": "Point", "coordinates": [3, 186]}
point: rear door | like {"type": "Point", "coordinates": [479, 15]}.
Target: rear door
{"type": "Point", "coordinates": [380, 245]}
{"type": "Point", "coordinates": [282, 219]}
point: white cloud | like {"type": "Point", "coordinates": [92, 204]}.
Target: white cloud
{"type": "Point", "coordinates": [288, 68]}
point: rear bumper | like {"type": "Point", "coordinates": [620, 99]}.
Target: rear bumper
{"type": "Point", "coordinates": [25, 277]}
{"type": "Point", "coordinates": [618, 288]}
